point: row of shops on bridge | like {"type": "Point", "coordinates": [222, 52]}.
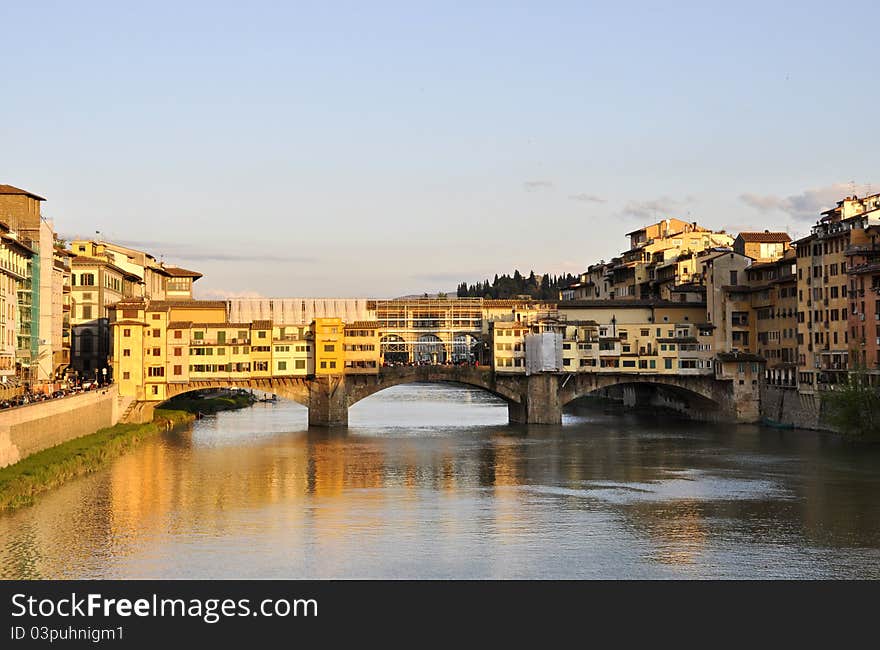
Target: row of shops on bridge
{"type": "Point", "coordinates": [158, 343]}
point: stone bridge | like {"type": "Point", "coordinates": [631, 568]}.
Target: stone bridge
{"type": "Point", "coordinates": [534, 399]}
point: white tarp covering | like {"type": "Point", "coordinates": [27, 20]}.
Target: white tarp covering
{"type": "Point", "coordinates": [543, 352]}
{"type": "Point", "coordinates": [298, 311]}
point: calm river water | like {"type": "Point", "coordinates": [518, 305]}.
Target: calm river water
{"type": "Point", "coordinates": [429, 481]}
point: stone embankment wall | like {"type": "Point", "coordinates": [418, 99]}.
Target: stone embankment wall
{"type": "Point", "coordinates": [788, 407]}
{"type": "Point", "coordinates": [28, 429]}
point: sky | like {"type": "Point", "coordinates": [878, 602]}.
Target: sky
{"type": "Point", "coordinates": [373, 149]}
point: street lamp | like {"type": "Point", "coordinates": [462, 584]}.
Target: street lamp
{"type": "Point", "coordinates": [104, 379]}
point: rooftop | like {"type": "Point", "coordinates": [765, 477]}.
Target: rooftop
{"type": "Point", "coordinates": [9, 189]}
{"type": "Point", "coordinates": [765, 237]}
{"type": "Point", "coordinates": [177, 272]}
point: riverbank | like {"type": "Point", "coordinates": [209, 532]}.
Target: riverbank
{"type": "Point", "coordinates": [22, 482]}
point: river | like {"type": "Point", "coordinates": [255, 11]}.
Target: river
{"type": "Point", "coordinates": [429, 481]}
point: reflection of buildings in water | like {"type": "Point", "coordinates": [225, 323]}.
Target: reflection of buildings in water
{"type": "Point", "coordinates": [179, 489]}
{"type": "Point", "coordinates": [507, 472]}
{"type": "Point", "coordinates": [677, 529]}
{"type": "Point", "coordinates": [37, 540]}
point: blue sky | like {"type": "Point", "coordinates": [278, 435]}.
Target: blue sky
{"type": "Point", "coordinates": [379, 149]}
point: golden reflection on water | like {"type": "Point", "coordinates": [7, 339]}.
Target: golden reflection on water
{"type": "Point", "coordinates": [225, 500]}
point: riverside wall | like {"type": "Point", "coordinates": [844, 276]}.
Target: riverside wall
{"type": "Point", "coordinates": [787, 407]}
{"type": "Point", "coordinates": [28, 429]}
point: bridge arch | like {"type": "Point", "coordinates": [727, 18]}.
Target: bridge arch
{"type": "Point", "coordinates": [361, 387]}
{"type": "Point", "coordinates": [293, 388]}
{"type": "Point", "coordinates": [700, 392]}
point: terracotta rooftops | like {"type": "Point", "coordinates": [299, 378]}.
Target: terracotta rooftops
{"type": "Point", "coordinates": [362, 325]}
{"type": "Point", "coordinates": [765, 237]}
{"type": "Point", "coordinates": [177, 272]}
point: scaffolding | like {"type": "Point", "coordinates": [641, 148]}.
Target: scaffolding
{"type": "Point", "coordinates": [429, 330]}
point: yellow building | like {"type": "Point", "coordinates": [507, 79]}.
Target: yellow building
{"type": "Point", "coordinates": [508, 345]}
{"type": "Point", "coordinates": [329, 346]}
{"type": "Point", "coordinates": [824, 307]}
{"type": "Point", "coordinates": [148, 352]}
{"type": "Point", "coordinates": [762, 246]}
{"type": "Point", "coordinates": [292, 351]}
{"type": "Point", "coordinates": [616, 336]}
{"type": "Point", "coordinates": [361, 347]}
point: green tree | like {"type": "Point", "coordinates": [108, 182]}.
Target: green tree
{"type": "Point", "coordinates": [854, 407]}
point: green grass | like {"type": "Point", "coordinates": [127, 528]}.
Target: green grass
{"type": "Point", "coordinates": [22, 482]}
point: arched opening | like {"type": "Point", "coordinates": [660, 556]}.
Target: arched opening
{"type": "Point", "coordinates": [393, 349]}
{"type": "Point", "coordinates": [429, 349]}
{"type": "Point", "coordinates": [408, 409]}
{"type": "Point", "coordinates": [464, 348]}
{"type": "Point", "coordinates": [652, 395]}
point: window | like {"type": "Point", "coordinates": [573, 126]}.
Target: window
{"type": "Point", "coordinates": [733, 277]}
{"type": "Point", "coordinates": [282, 365]}
{"type": "Point", "coordinates": [178, 334]}
{"type": "Point", "coordinates": [126, 375]}
{"type": "Point", "coordinates": [178, 352]}
{"type": "Point", "coordinates": [126, 332]}
{"type": "Point", "coordinates": [261, 335]}
{"type": "Point", "coordinates": [157, 352]}
{"type": "Point", "coordinates": [126, 352]}
{"type": "Point", "coordinates": [178, 370]}
{"type": "Point", "coordinates": [324, 364]}
{"type": "Point", "coordinates": [199, 336]}
{"type": "Point", "coordinates": [157, 316]}
{"type": "Point", "coordinates": [87, 279]}
{"type": "Point", "coordinates": [87, 312]}
{"type": "Point", "coordinates": [221, 337]}
{"type": "Point", "coordinates": [155, 332]}
{"type": "Point", "coordinates": [329, 348]}
{"type": "Point", "coordinates": [667, 363]}
{"type": "Point", "coordinates": [127, 313]}
{"type": "Point", "coordinates": [156, 371]}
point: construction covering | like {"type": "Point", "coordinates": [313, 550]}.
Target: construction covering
{"type": "Point", "coordinates": [298, 311]}
{"type": "Point", "coordinates": [543, 352]}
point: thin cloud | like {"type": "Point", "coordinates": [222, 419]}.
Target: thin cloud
{"type": "Point", "coordinates": [654, 208]}
{"type": "Point", "coordinates": [234, 257]}
{"type": "Point", "coordinates": [805, 206]}
{"type": "Point", "coordinates": [440, 277]}
{"type": "Point", "coordinates": [587, 198]}
{"type": "Point", "coordinates": [180, 251]}
{"type": "Point", "coordinates": [220, 294]}
{"type": "Point", "coordinates": [535, 186]}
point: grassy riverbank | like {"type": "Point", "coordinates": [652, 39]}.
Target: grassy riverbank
{"type": "Point", "coordinates": [22, 482]}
